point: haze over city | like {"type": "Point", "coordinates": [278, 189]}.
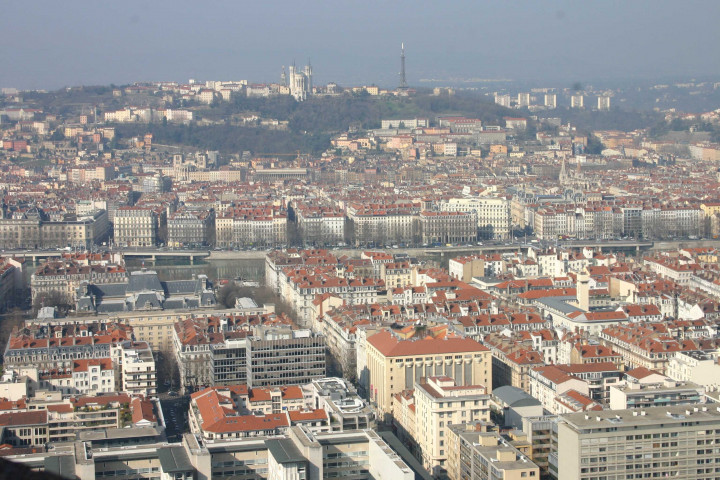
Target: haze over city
{"type": "Point", "coordinates": [360, 240]}
{"type": "Point", "coordinates": [54, 44]}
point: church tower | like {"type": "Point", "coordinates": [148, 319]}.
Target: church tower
{"type": "Point", "coordinates": [563, 173]}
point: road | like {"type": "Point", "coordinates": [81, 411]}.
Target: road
{"type": "Point", "coordinates": [420, 251]}
{"type": "Point", "coordinates": [175, 411]}
{"type": "Point", "coordinates": [425, 251]}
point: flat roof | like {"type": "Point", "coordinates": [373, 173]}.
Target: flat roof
{"type": "Point", "coordinates": [174, 459]}
{"type": "Point", "coordinates": [284, 451]}
{"type": "Point", "coordinates": [396, 445]}
{"type": "Point", "coordinates": [644, 416]}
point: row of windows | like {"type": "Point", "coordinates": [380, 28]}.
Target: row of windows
{"type": "Point", "coordinates": [131, 471]}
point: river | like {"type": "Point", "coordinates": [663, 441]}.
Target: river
{"type": "Point", "coordinates": [248, 269]}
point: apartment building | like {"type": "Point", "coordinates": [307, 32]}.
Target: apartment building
{"type": "Point", "coordinates": [49, 348]}
{"type": "Point", "coordinates": [191, 228]}
{"type": "Point", "coordinates": [465, 268]}
{"type": "Point", "coordinates": [319, 225]}
{"type": "Point", "coordinates": [381, 224]}
{"type": "Point", "coordinates": [659, 442]}
{"type": "Point", "coordinates": [34, 229]}
{"type": "Point", "coordinates": [263, 227]}
{"type": "Point", "coordinates": [547, 383]}
{"type": "Point", "coordinates": [65, 275]}
{"type": "Point", "coordinates": [227, 351]}
{"type": "Point", "coordinates": [299, 453]}
{"type": "Point", "coordinates": [439, 404]}
{"type": "Point", "coordinates": [12, 282]}
{"type": "Point", "coordinates": [648, 345]}
{"type": "Point", "coordinates": [493, 214]}
{"type": "Point", "coordinates": [276, 261]}
{"type": "Point", "coordinates": [300, 288]}
{"type": "Point", "coordinates": [577, 101]}
{"type": "Point", "coordinates": [347, 411]}
{"type": "Point", "coordinates": [448, 227]}
{"type": "Point", "coordinates": [512, 366]}
{"type": "Point", "coordinates": [698, 367]}
{"type": "Point", "coordinates": [395, 365]}
{"type": "Point", "coordinates": [483, 455]}
{"type": "Point", "coordinates": [94, 376]}
{"type": "Point", "coordinates": [661, 394]}
{"type": "Point", "coordinates": [136, 226]}
{"type": "Point", "coordinates": [138, 375]}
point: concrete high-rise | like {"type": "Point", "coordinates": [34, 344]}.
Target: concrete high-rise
{"type": "Point", "coordinates": [603, 103]}
{"type": "Point", "coordinates": [551, 100]}
{"type": "Point", "coordinates": [661, 442]}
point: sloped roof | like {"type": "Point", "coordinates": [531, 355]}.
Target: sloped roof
{"type": "Point", "coordinates": [515, 397]}
{"type": "Point", "coordinates": [390, 346]}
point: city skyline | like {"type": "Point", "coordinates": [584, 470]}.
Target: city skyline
{"type": "Point", "coordinates": [51, 46]}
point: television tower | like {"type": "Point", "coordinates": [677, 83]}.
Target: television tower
{"type": "Point", "coordinates": [403, 81]}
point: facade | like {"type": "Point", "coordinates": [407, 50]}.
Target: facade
{"type": "Point", "coordinates": [674, 442]}
{"type": "Point", "coordinates": [210, 354]}
{"type": "Point", "coordinates": [577, 101]}
{"type": "Point", "coordinates": [93, 376]}
{"type": "Point", "coordinates": [546, 383]}
{"type": "Point", "coordinates": [320, 225]}
{"type": "Point", "coordinates": [297, 454]}
{"type": "Point", "coordinates": [138, 376]}
{"type": "Point", "coordinates": [448, 227]}
{"type": "Point", "coordinates": [695, 366]}
{"type": "Point", "coordinates": [550, 100]}
{"type": "Point", "coordinates": [191, 228]}
{"type": "Point", "coordinates": [465, 268]}
{"type": "Point", "coordinates": [493, 214]}
{"type": "Point", "coordinates": [395, 365]}
{"type": "Point", "coordinates": [439, 404]}
{"type": "Point", "coordinates": [51, 348]}
{"type": "Point", "coordinates": [482, 455]}
{"type": "Point", "coordinates": [12, 283]}
{"type": "Point", "coordinates": [603, 103]}
{"type": "Point", "coordinates": [34, 229]}
{"type": "Point", "coordinates": [65, 275]}
{"type": "Point", "coordinates": [135, 227]}
{"type": "Point", "coordinates": [377, 224]}
{"type": "Point", "coordinates": [646, 395]}
{"type": "Point", "coordinates": [265, 227]}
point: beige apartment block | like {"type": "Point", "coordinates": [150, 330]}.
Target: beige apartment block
{"type": "Point", "coordinates": [440, 403]}
{"type": "Point", "coordinates": [482, 455]}
{"type": "Point", "coordinates": [395, 365]}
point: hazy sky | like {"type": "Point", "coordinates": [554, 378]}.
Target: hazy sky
{"type": "Point", "coordinates": [50, 44]}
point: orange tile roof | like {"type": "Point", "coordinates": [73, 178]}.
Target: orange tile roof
{"type": "Point", "coordinates": [390, 346]}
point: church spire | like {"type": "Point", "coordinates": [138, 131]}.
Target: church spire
{"type": "Point", "coordinates": [563, 172]}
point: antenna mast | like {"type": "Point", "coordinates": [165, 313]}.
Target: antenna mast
{"type": "Point", "coordinates": [403, 81]}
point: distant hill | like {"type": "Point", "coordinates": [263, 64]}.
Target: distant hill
{"type": "Point", "coordinates": [311, 123]}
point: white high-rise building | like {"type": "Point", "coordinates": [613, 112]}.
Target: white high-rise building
{"type": "Point", "coordinates": [503, 100]}
{"type": "Point", "coordinates": [577, 101]}
{"type": "Point", "coordinates": [603, 103]}
{"type": "Point", "coordinates": [551, 100]}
